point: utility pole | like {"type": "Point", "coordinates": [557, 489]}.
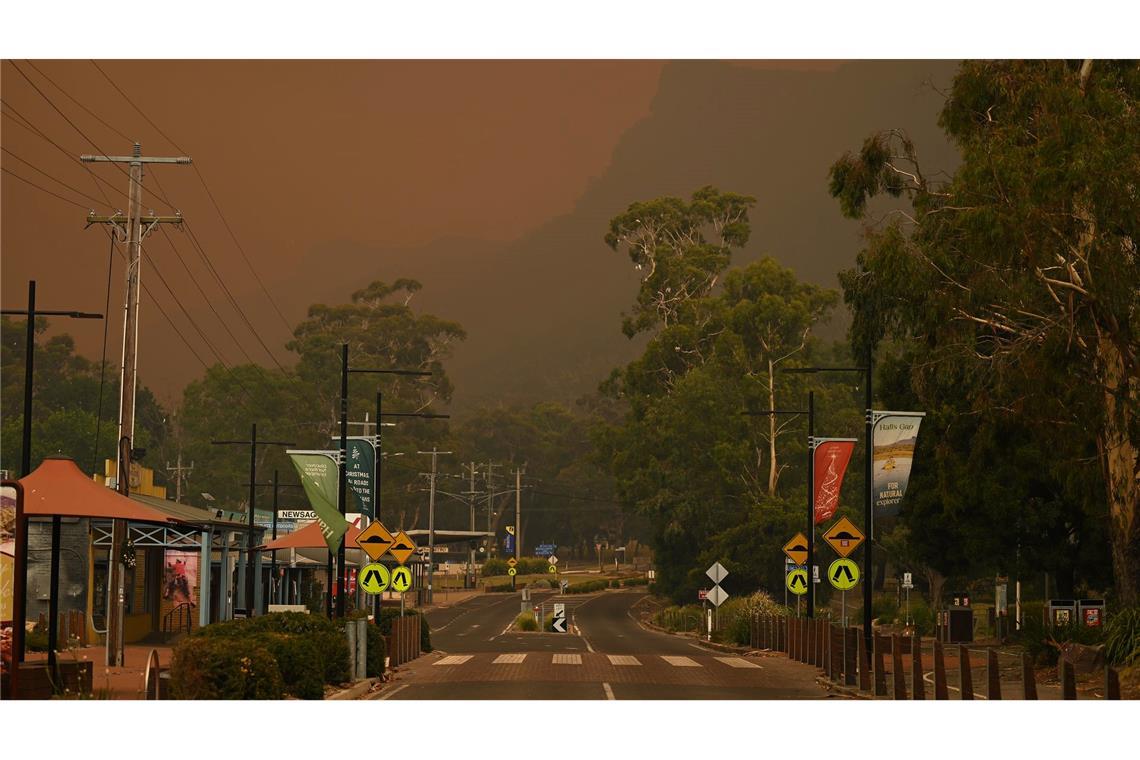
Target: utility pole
{"type": "Point", "coordinates": [431, 519]}
{"type": "Point", "coordinates": [137, 227]}
{"type": "Point", "coordinates": [253, 443]}
{"type": "Point", "coordinates": [19, 608]}
{"type": "Point", "coordinates": [490, 507]}
{"type": "Point", "coordinates": [518, 518]}
{"type": "Point", "coordinates": [178, 469]}
{"type": "Point", "coordinates": [471, 544]}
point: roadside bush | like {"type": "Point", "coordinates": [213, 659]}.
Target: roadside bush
{"type": "Point", "coordinates": [885, 609]}
{"type": "Point", "coordinates": [36, 640]}
{"type": "Point", "coordinates": [687, 618]}
{"type": "Point", "coordinates": [526, 622]}
{"type": "Point", "coordinates": [1042, 643]}
{"type": "Point", "coordinates": [388, 614]}
{"type": "Point", "coordinates": [587, 587]}
{"type": "Point", "coordinates": [635, 582]}
{"type": "Point", "coordinates": [499, 587]}
{"type": "Point", "coordinates": [298, 661]}
{"type": "Point", "coordinates": [737, 613]}
{"type": "Point", "coordinates": [542, 584]}
{"type": "Point", "coordinates": [205, 667]}
{"type": "Point", "coordinates": [325, 637]}
{"type": "Point", "coordinates": [495, 567]}
{"type": "Point", "coordinates": [1122, 638]}
{"type": "Point", "coordinates": [922, 617]}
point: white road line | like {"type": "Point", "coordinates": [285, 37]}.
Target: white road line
{"type": "Point", "coordinates": [454, 659]}
{"type": "Point", "coordinates": [508, 659]}
{"type": "Point", "coordinates": [609, 691]}
{"type": "Point", "coordinates": [622, 659]}
{"type": "Point", "coordinates": [389, 693]}
{"type": "Point", "coordinates": [680, 662]}
{"type": "Point", "coordinates": [929, 678]}
{"type": "Point", "coordinates": [566, 659]}
{"type": "Point", "coordinates": [736, 662]}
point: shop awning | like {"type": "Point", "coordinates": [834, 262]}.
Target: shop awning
{"type": "Point", "coordinates": [310, 537]}
{"type": "Point", "coordinates": [58, 487]}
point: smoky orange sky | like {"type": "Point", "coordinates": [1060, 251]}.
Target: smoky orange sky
{"type": "Point", "coordinates": [335, 173]}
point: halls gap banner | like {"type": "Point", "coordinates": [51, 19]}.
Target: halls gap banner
{"type": "Point", "coordinates": [895, 435]}
{"type": "Point", "coordinates": [320, 478]}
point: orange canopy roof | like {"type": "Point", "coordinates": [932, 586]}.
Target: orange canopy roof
{"type": "Point", "coordinates": [58, 487]}
{"type": "Point", "coordinates": [310, 537]}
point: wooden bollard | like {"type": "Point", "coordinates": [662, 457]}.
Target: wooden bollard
{"type": "Point", "coordinates": [965, 675]}
{"type": "Point", "coordinates": [864, 664]}
{"type": "Point", "coordinates": [1068, 680]}
{"type": "Point", "coordinates": [820, 643]}
{"type": "Point", "coordinates": [880, 676]}
{"type": "Point", "coordinates": [838, 658]}
{"type": "Point", "coordinates": [918, 689]}
{"type": "Point", "coordinates": [1111, 684]}
{"type": "Point", "coordinates": [897, 667]}
{"type": "Point", "coordinates": [810, 653]}
{"type": "Point", "coordinates": [850, 661]}
{"type": "Point", "coordinates": [1028, 679]}
{"type": "Point", "coordinates": [940, 689]}
{"type": "Point", "coordinates": [993, 676]}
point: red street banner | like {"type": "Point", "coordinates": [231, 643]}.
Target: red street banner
{"type": "Point", "coordinates": [831, 458]}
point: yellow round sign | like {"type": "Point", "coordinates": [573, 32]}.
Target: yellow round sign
{"type": "Point", "coordinates": [374, 578]}
{"type": "Point", "coordinates": [552, 569]}
{"type": "Point", "coordinates": [401, 579]}
{"type": "Point", "coordinates": [512, 571]}
{"type": "Point", "coordinates": [797, 582]}
{"type": "Point", "coordinates": [843, 574]}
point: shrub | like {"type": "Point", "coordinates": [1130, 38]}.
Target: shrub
{"type": "Point", "coordinates": [298, 661]}
{"type": "Point", "coordinates": [1041, 642]}
{"type": "Point", "coordinates": [499, 587]}
{"type": "Point", "coordinates": [587, 587]}
{"type": "Point", "coordinates": [36, 640]}
{"type": "Point", "coordinates": [526, 622]}
{"type": "Point", "coordinates": [325, 636]}
{"type": "Point", "coordinates": [635, 582]}
{"type": "Point", "coordinates": [885, 609]}
{"type": "Point", "coordinates": [495, 567]}
{"type": "Point", "coordinates": [1122, 638]}
{"type": "Point", "coordinates": [206, 667]}
{"type": "Point", "coordinates": [922, 617]}
{"type": "Point", "coordinates": [542, 584]}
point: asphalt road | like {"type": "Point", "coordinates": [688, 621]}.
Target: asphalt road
{"type": "Point", "coordinates": [607, 656]}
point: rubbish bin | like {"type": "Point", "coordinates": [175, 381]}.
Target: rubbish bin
{"type": "Point", "coordinates": [1062, 612]}
{"type": "Point", "coordinates": [1091, 612]}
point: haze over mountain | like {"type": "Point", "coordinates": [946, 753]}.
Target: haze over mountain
{"type": "Point", "coordinates": [543, 312]}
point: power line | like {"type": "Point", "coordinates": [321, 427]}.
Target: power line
{"type": "Point", "coordinates": [66, 118]}
{"type": "Point", "coordinates": [209, 194]}
{"type": "Point", "coordinates": [76, 102]}
{"type": "Point", "coordinates": [49, 176]}
{"type": "Point", "coordinates": [11, 173]}
{"type": "Point", "coordinates": [12, 113]}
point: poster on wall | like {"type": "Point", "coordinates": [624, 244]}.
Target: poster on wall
{"type": "Point", "coordinates": [180, 576]}
{"type": "Point", "coordinates": [895, 436]}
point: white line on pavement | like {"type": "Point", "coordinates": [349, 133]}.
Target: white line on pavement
{"type": "Point", "coordinates": [387, 694]}
{"type": "Point", "coordinates": [609, 691]}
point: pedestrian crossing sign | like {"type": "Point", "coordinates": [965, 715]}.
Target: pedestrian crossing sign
{"type": "Point", "coordinates": [843, 574]}
{"type": "Point", "coordinates": [797, 581]}
{"type": "Point", "coordinates": [374, 578]}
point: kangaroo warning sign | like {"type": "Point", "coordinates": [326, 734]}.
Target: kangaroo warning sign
{"type": "Point", "coordinates": [843, 537]}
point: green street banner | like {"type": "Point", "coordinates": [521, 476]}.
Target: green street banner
{"type": "Point", "coordinates": [894, 437]}
{"type": "Point", "coordinates": [360, 470]}
{"type": "Point", "coordinates": [320, 478]}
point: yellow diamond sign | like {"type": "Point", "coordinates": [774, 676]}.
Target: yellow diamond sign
{"type": "Point", "coordinates": [796, 549]}
{"type": "Point", "coordinates": [843, 537]}
{"type": "Point", "coordinates": [512, 562]}
{"type": "Point", "coordinates": [374, 540]}
{"type": "Point", "coordinates": [402, 547]}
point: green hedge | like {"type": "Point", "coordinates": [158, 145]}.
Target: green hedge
{"type": "Point", "coordinates": [587, 587]}
{"type": "Point", "coordinates": [526, 622]}
{"type": "Point", "coordinates": [526, 566]}
{"type": "Point", "coordinates": [214, 667]}
{"type": "Point", "coordinates": [310, 650]}
{"type": "Point", "coordinates": [635, 582]}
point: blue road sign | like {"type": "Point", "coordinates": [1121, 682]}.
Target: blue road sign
{"type": "Point", "coordinates": [509, 544]}
{"type": "Point", "coordinates": [545, 550]}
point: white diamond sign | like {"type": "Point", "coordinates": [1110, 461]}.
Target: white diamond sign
{"type": "Point", "coordinates": [717, 572]}
{"type": "Point", "coordinates": [717, 595]}
{"type": "Point", "coordinates": [552, 559]}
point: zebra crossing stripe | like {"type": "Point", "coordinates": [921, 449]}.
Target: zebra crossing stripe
{"type": "Point", "coordinates": [736, 662]}
{"type": "Point", "coordinates": [509, 659]}
{"type": "Point", "coordinates": [454, 659]}
{"type": "Point", "coordinates": [680, 662]}
{"type": "Point", "coordinates": [567, 659]}
{"type": "Point", "coordinates": [622, 659]}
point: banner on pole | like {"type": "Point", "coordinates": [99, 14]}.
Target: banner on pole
{"type": "Point", "coordinates": [894, 437]}
{"type": "Point", "coordinates": [831, 458]}
{"type": "Point", "coordinates": [360, 470]}
{"type": "Point", "coordinates": [320, 479]}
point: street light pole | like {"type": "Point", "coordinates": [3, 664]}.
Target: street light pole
{"type": "Point", "coordinates": [20, 608]}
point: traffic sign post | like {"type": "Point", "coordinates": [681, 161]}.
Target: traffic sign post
{"type": "Point", "coordinates": [553, 560]}
{"type": "Point", "coordinates": [716, 594]}
{"type": "Point", "coordinates": [375, 540]}
{"type": "Point", "coordinates": [796, 549]}
{"type": "Point", "coordinates": [797, 580]}
{"type": "Point", "coordinates": [374, 578]}
{"type": "Point", "coordinates": [843, 537]}
{"type": "Point", "coordinates": [559, 621]}
{"type": "Point", "coordinates": [908, 584]}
